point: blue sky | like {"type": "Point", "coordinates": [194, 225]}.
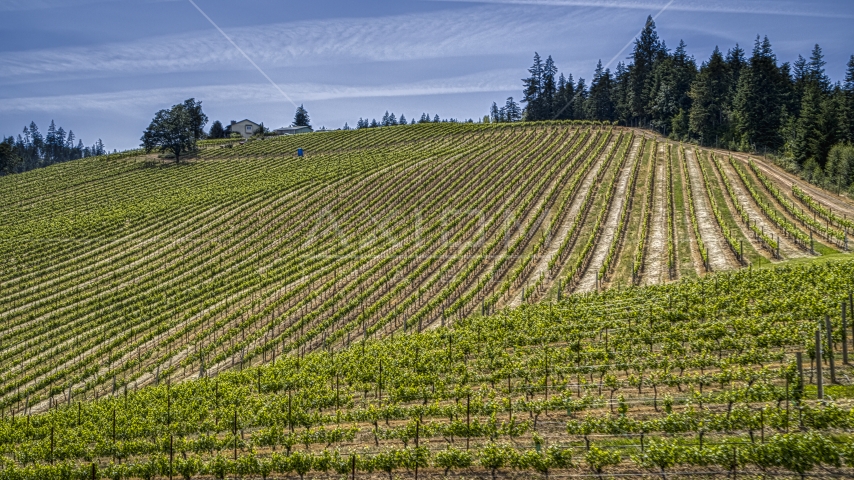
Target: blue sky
{"type": "Point", "coordinates": [103, 67]}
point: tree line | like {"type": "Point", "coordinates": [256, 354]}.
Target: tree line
{"type": "Point", "coordinates": [389, 120]}
{"type": "Point", "coordinates": [32, 149]}
{"type": "Point", "coordinates": [792, 111]}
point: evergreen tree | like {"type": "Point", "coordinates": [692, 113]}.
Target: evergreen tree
{"type": "Point", "coordinates": [757, 108]}
{"type": "Point", "coordinates": [385, 120]}
{"type": "Point", "coordinates": [846, 111]}
{"type": "Point", "coordinates": [9, 160]}
{"type": "Point", "coordinates": [301, 118]}
{"type": "Point", "coordinates": [216, 130]}
{"type": "Point", "coordinates": [816, 71]}
{"type": "Point", "coordinates": [599, 105]}
{"type": "Point", "coordinates": [563, 101]}
{"type": "Point", "coordinates": [512, 111]}
{"type": "Point", "coordinates": [533, 88]}
{"type": "Point", "coordinates": [549, 92]}
{"type": "Point", "coordinates": [436, 118]}
{"type": "Point", "coordinates": [374, 123]}
{"type": "Point", "coordinates": [736, 61]}
{"type": "Point", "coordinates": [50, 143]}
{"type": "Point", "coordinates": [648, 50]}
{"type": "Point", "coordinates": [579, 99]}
{"type": "Point", "coordinates": [619, 89]}
{"type": "Point", "coordinates": [494, 115]}
{"type": "Point", "coordinates": [839, 171]}
{"type": "Point", "coordinates": [708, 120]}
{"type": "Point", "coordinates": [402, 120]}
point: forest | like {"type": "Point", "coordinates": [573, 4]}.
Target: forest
{"type": "Point", "coordinates": [32, 149]}
{"type": "Point", "coordinates": [792, 112]}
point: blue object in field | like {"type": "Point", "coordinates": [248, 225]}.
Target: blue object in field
{"type": "Point", "coordinates": [299, 152]}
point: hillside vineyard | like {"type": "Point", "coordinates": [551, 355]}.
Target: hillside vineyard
{"type": "Point", "coordinates": [716, 376]}
{"type": "Point", "coordinates": [124, 271]}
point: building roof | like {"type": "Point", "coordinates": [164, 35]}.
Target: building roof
{"type": "Point", "coordinates": [292, 128]}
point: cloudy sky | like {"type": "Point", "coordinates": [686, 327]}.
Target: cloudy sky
{"type": "Point", "coordinates": [103, 67]}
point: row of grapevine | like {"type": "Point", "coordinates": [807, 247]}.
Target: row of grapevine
{"type": "Point", "coordinates": [593, 152]}
{"type": "Point", "coordinates": [653, 378]}
{"type": "Point", "coordinates": [729, 234]}
{"type": "Point", "coordinates": [617, 240]}
{"type": "Point", "coordinates": [764, 238]}
{"type": "Point", "coordinates": [584, 256]}
{"type": "Point", "coordinates": [826, 212]}
{"type": "Point", "coordinates": [646, 216]}
{"type": "Point", "coordinates": [557, 261]}
{"type": "Point", "coordinates": [831, 234]}
{"type": "Point", "coordinates": [790, 230]}
{"type": "Point", "coordinates": [692, 215]}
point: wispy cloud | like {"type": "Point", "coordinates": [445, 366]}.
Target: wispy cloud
{"type": "Point", "coordinates": [133, 101]}
{"type": "Point", "coordinates": [19, 5]}
{"type": "Point", "coordinates": [442, 34]}
{"type": "Point", "coordinates": [815, 9]}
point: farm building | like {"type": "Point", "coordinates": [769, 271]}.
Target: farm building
{"type": "Point", "coordinates": [292, 130]}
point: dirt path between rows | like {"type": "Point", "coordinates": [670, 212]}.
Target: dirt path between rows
{"type": "Point", "coordinates": [655, 259]}
{"type": "Point", "coordinates": [610, 227]}
{"type": "Point", "coordinates": [542, 267]}
{"type": "Point", "coordinates": [781, 208]}
{"type": "Point", "coordinates": [787, 248]}
{"type": "Point", "coordinates": [784, 179]}
{"type": "Point", "coordinates": [720, 256]}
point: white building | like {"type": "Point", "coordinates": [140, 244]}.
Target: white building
{"type": "Point", "coordinates": [244, 127]}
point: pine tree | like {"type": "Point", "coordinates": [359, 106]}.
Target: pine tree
{"type": "Point", "coordinates": [816, 69]}
{"type": "Point", "coordinates": [436, 118]}
{"type": "Point", "coordinates": [549, 91]}
{"type": "Point", "coordinates": [816, 129]}
{"type": "Point", "coordinates": [708, 119]}
{"type": "Point", "coordinates": [599, 105]}
{"type": "Point", "coordinates": [846, 111]}
{"type": "Point", "coordinates": [402, 120]}
{"type": "Point", "coordinates": [648, 50]}
{"type": "Point", "coordinates": [579, 99]}
{"type": "Point", "coordinates": [618, 93]}
{"type": "Point", "coordinates": [512, 111]}
{"type": "Point", "coordinates": [50, 143]}
{"type": "Point", "coordinates": [301, 118]}
{"type": "Point", "coordinates": [216, 131]}
{"type": "Point", "coordinates": [494, 115]}
{"type": "Point", "coordinates": [533, 90]}
{"type": "Point", "coordinates": [757, 108]}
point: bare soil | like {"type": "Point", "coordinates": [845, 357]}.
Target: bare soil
{"type": "Point", "coordinates": [610, 227]}
{"type": "Point", "coordinates": [720, 256]}
{"type": "Point", "coordinates": [655, 260]}
{"type": "Point", "coordinates": [787, 248]}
